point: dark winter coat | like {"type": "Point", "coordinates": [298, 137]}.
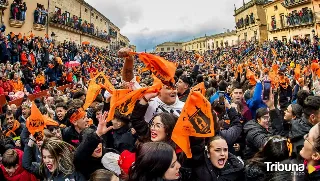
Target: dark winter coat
{"type": "Point", "coordinates": [123, 139]}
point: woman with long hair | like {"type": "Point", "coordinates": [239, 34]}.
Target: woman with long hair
{"type": "Point", "coordinates": [213, 161]}
{"type": "Point", "coordinates": [275, 150]}
{"type": "Point", "coordinates": [57, 160]}
{"type": "Point", "coordinates": [155, 161]}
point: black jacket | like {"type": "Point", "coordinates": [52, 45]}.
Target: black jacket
{"type": "Point", "coordinates": [35, 169]}
{"type": "Point", "coordinates": [123, 139]}
{"type": "Point", "coordinates": [17, 132]}
{"type": "Point", "coordinates": [138, 122]}
{"type": "Point", "coordinates": [256, 137]}
{"type": "Point", "coordinates": [203, 170]}
{"type": "Point", "coordinates": [183, 97]}
{"type": "Point", "coordinates": [299, 128]}
{"type": "Point", "coordinates": [234, 131]}
{"type": "Point", "coordinates": [83, 161]}
{"type": "Point", "coordinates": [71, 136]}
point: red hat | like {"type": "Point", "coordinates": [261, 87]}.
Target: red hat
{"type": "Point", "coordinates": [126, 160]}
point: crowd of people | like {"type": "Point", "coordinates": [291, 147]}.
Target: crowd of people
{"type": "Point", "coordinates": [18, 10]}
{"type": "Point", "coordinates": [264, 104]}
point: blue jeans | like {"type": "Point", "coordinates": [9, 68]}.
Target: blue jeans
{"type": "Point", "coordinates": [23, 15]}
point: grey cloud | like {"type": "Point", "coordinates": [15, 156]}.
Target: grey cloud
{"type": "Point", "coordinates": [120, 12]}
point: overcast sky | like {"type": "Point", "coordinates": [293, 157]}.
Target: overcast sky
{"type": "Point", "coordinates": [150, 22]}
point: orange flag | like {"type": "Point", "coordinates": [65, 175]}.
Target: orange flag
{"type": "Point", "coordinates": [251, 77]}
{"type": "Point", "coordinates": [188, 62]}
{"type": "Point", "coordinates": [93, 91]}
{"type": "Point", "coordinates": [104, 82]}
{"type": "Point", "coordinates": [49, 122]}
{"type": "Point", "coordinates": [274, 52]}
{"type": "Point", "coordinates": [275, 68]}
{"type": "Point", "coordinates": [161, 68]}
{"type": "Point", "coordinates": [297, 71]}
{"type": "Point", "coordinates": [199, 87]}
{"type": "Point", "coordinates": [31, 35]}
{"type": "Point", "coordinates": [124, 100]}
{"type": "Point", "coordinates": [35, 122]}
{"type": "Point", "coordinates": [195, 120]}
{"type": "Point", "coordinates": [314, 67]}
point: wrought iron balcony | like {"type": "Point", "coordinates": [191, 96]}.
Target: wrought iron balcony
{"type": "Point", "coordinates": [294, 3]}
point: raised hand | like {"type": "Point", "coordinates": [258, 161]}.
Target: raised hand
{"type": "Point", "coordinates": [102, 126]}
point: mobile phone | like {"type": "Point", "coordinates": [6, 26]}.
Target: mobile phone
{"type": "Point", "coordinates": [266, 90]}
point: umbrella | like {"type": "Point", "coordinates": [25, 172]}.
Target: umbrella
{"type": "Point", "coordinates": [85, 43]}
{"type": "Point", "coordinates": [72, 64]}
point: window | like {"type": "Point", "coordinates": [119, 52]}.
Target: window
{"type": "Point", "coordinates": [92, 14]}
{"type": "Point", "coordinates": [85, 10]}
{"type": "Point", "coordinates": [168, 49]}
{"type": "Point", "coordinates": [162, 49]}
{"type": "Point", "coordinates": [96, 17]}
{"type": "Point", "coordinates": [208, 45]}
{"type": "Point", "coordinates": [284, 39]}
{"type": "Point", "coordinates": [212, 45]}
{"type": "Point", "coordinates": [275, 38]}
{"type": "Point", "coordinates": [101, 20]}
{"type": "Point", "coordinates": [197, 45]}
{"type": "Point", "coordinates": [282, 20]}
{"type": "Point", "coordinates": [275, 8]}
{"type": "Point", "coordinates": [173, 48]}
{"type": "Point", "coordinates": [200, 45]}
{"type": "Point", "coordinates": [245, 36]}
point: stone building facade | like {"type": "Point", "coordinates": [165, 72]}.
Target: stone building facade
{"type": "Point", "coordinates": [169, 47]}
{"type": "Point", "coordinates": [251, 22]}
{"type": "Point", "coordinates": [104, 32]}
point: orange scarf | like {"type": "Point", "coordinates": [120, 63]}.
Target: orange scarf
{"type": "Point", "coordinates": [16, 125]}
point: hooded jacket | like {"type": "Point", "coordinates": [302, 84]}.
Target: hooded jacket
{"type": "Point", "coordinates": [20, 174]}
{"type": "Point", "coordinates": [256, 137]}
{"type": "Point", "coordinates": [256, 102]}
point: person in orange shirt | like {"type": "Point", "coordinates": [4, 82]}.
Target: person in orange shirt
{"type": "Point", "coordinates": [16, 83]}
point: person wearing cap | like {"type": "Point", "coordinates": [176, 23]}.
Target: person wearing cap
{"type": "Point", "coordinates": [79, 122]}
{"type": "Point", "coordinates": [183, 87]}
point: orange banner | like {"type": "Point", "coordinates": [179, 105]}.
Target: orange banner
{"type": "Point", "coordinates": [195, 120]}
{"type": "Point", "coordinates": [35, 122]}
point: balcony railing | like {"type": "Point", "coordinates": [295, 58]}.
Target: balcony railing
{"type": "Point", "coordinates": [4, 4]}
{"type": "Point", "coordinates": [285, 26]}
{"type": "Point", "coordinates": [294, 3]}
{"type": "Point", "coordinates": [70, 25]}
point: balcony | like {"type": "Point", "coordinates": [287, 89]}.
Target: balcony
{"type": "Point", "coordinates": [39, 27]}
{"type": "Point", "coordinates": [16, 23]}
{"type": "Point", "coordinates": [112, 33]}
{"type": "Point", "coordinates": [294, 3]}
{"type": "Point", "coordinates": [4, 5]}
{"type": "Point", "coordinates": [317, 17]}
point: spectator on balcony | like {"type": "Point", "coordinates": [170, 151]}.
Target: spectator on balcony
{"type": "Point", "coordinates": [44, 14]}
{"type": "Point", "coordinates": [23, 9]}
{"type": "Point", "coordinates": [36, 15]}
{"type": "Point", "coordinates": [14, 10]}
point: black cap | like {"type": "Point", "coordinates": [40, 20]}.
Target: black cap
{"type": "Point", "coordinates": [187, 79]}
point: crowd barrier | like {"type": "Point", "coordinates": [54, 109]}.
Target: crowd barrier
{"type": "Point", "coordinates": [31, 97]}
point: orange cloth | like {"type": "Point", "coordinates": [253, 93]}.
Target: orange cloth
{"type": "Point", "coordinates": [123, 100]}
{"type": "Point", "coordinates": [251, 77]}
{"type": "Point", "coordinates": [195, 120]}
{"type": "Point", "coordinates": [161, 68]}
{"type": "Point", "coordinates": [297, 71]}
{"type": "Point", "coordinates": [11, 131]}
{"type": "Point", "coordinates": [17, 85]}
{"type": "Point", "coordinates": [69, 77]}
{"type": "Point", "coordinates": [49, 122]}
{"type": "Point", "coordinates": [80, 113]}
{"type": "Point", "coordinates": [33, 58]}
{"type": "Point", "coordinates": [40, 79]}
{"type": "Point", "coordinates": [35, 122]}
